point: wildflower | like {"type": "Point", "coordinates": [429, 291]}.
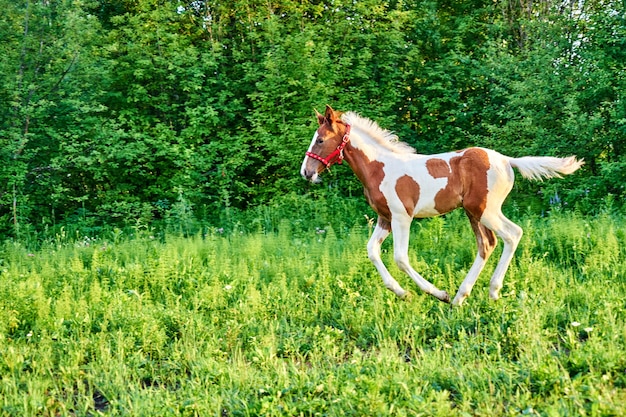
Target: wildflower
{"type": "Point", "coordinates": [588, 329]}
{"type": "Point", "coordinates": [575, 324]}
{"type": "Point", "coordinates": [228, 287]}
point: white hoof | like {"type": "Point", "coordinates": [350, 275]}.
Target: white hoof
{"type": "Point", "coordinates": [458, 300]}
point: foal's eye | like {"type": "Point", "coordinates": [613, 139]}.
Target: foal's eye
{"type": "Point", "coordinates": [320, 141]}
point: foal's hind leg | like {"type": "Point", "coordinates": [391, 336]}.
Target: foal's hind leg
{"type": "Point", "coordinates": [511, 234]}
{"type": "Point", "coordinates": [381, 232]}
{"type": "Point", "coordinates": [486, 242]}
{"type": "Point", "coordinates": [401, 229]}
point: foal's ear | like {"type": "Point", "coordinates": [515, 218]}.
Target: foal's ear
{"type": "Point", "coordinates": [331, 115]}
{"type": "Point", "coordinates": [320, 117]}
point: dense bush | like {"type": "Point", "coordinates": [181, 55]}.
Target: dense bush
{"type": "Point", "coordinates": [126, 113]}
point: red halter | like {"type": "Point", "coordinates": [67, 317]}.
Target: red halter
{"type": "Point", "coordinates": [337, 153]}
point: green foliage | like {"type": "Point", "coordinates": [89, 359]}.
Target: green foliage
{"type": "Point", "coordinates": [296, 321]}
{"type": "Point", "coordinates": [110, 112]}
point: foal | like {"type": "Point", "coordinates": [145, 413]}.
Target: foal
{"type": "Point", "coordinates": [401, 185]}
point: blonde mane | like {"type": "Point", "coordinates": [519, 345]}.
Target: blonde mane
{"type": "Point", "coordinates": [377, 134]}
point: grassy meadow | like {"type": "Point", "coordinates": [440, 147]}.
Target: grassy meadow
{"type": "Point", "coordinates": [289, 323]}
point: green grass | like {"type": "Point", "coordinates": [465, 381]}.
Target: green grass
{"type": "Point", "coordinates": [299, 323]}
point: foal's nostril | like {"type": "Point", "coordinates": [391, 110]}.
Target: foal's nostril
{"type": "Point", "coordinates": [309, 175]}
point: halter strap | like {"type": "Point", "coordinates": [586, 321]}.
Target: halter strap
{"type": "Point", "coordinates": [337, 153]}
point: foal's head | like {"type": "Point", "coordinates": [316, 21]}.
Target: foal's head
{"type": "Point", "coordinates": [327, 145]}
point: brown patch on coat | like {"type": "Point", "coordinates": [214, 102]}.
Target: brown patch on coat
{"type": "Point", "coordinates": [473, 167]}
{"type": "Point", "coordinates": [485, 238]}
{"type": "Point", "coordinates": [450, 197]}
{"type": "Point", "coordinates": [467, 184]}
{"type": "Point", "coordinates": [371, 175]}
{"type": "Point", "coordinates": [383, 224]}
{"type": "Point", "coordinates": [438, 168]}
{"type": "Point", "coordinates": [409, 193]}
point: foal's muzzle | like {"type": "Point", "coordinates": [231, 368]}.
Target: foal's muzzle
{"type": "Point", "coordinates": [310, 175]}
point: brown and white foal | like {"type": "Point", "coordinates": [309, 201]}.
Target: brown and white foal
{"type": "Point", "coordinates": [401, 185]}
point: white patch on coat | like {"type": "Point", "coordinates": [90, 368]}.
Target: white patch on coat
{"type": "Point", "coordinates": [314, 178]}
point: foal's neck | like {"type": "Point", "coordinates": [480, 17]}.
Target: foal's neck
{"type": "Point", "coordinates": [371, 174]}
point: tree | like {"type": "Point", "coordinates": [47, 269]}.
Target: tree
{"type": "Point", "coordinates": [121, 112]}
{"type": "Point", "coordinates": [43, 43]}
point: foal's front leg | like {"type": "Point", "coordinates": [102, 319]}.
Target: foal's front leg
{"type": "Point", "coordinates": [379, 235]}
{"type": "Point", "coordinates": [401, 230]}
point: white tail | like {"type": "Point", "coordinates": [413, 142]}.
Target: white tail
{"type": "Point", "coordinates": [540, 167]}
